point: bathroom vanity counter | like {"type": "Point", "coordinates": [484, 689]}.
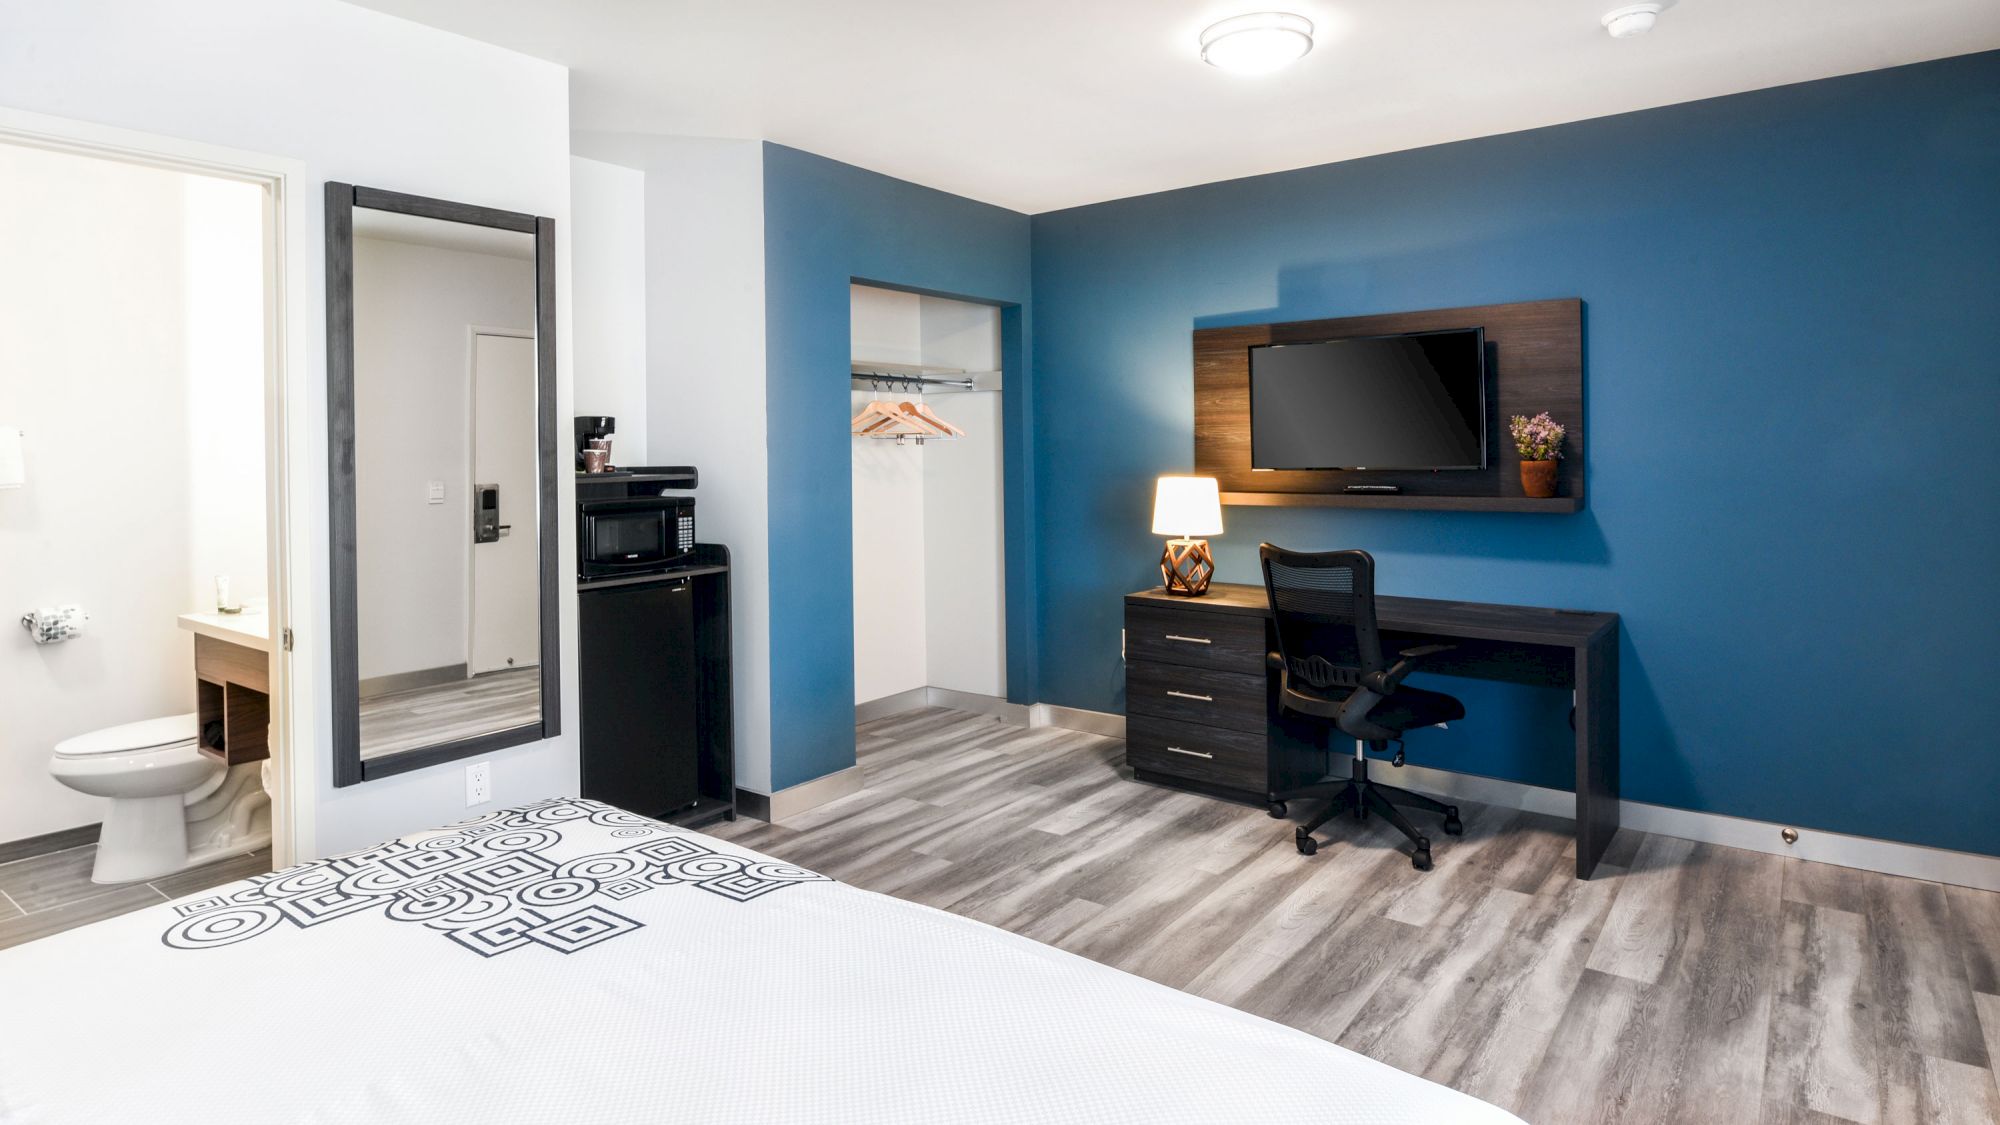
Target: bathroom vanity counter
{"type": "Point", "coordinates": [248, 630]}
{"type": "Point", "coordinates": [232, 671]}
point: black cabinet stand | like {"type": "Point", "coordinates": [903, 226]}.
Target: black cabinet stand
{"type": "Point", "coordinates": [657, 731]}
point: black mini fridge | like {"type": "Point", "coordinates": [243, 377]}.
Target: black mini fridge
{"type": "Point", "coordinates": [641, 687]}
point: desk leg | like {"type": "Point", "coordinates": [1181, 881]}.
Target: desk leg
{"type": "Point", "coordinates": [1596, 750]}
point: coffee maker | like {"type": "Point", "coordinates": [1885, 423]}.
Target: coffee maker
{"type": "Point", "coordinates": [594, 427]}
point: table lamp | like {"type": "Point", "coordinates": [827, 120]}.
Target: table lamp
{"type": "Point", "coordinates": [1183, 508]}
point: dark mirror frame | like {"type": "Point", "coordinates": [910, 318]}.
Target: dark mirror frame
{"type": "Point", "coordinates": [341, 200]}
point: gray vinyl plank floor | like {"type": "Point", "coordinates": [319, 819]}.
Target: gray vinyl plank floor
{"type": "Point", "coordinates": [427, 716]}
{"type": "Point", "coordinates": [47, 894]}
{"type": "Point", "coordinates": [1687, 983]}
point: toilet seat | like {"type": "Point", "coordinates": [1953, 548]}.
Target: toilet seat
{"type": "Point", "coordinates": [144, 736]}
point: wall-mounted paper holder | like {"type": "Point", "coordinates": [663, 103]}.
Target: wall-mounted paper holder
{"type": "Point", "coordinates": [53, 626]}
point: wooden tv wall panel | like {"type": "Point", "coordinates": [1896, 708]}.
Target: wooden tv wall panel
{"type": "Point", "coordinates": [1535, 354]}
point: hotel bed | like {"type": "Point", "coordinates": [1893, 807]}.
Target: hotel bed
{"type": "Point", "coordinates": [569, 962]}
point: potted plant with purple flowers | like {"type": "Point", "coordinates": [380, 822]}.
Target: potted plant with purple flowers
{"type": "Point", "coordinates": [1539, 442]}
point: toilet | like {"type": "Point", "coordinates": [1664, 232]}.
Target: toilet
{"type": "Point", "coordinates": [172, 806]}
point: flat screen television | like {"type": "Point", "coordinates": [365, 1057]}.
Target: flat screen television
{"type": "Point", "coordinates": [1412, 402]}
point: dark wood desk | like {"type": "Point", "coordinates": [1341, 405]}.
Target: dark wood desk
{"type": "Point", "coordinates": [1201, 710]}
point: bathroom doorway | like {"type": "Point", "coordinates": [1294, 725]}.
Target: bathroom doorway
{"type": "Point", "coordinates": [143, 529]}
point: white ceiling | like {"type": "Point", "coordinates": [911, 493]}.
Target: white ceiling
{"type": "Point", "coordinates": [1043, 104]}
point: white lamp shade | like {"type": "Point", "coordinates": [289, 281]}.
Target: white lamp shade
{"type": "Point", "coordinates": [1187, 507]}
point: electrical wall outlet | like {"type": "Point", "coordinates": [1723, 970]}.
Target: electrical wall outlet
{"type": "Point", "coordinates": [478, 783]}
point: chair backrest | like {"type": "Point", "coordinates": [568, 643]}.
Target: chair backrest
{"type": "Point", "coordinates": [1324, 606]}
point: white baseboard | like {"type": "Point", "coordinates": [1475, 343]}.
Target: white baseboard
{"type": "Point", "coordinates": [410, 681]}
{"type": "Point", "coordinates": [1890, 857]}
{"type": "Point", "coordinates": [1075, 718]}
{"type": "Point", "coordinates": [1016, 713]}
{"type": "Point", "coordinates": [916, 699]}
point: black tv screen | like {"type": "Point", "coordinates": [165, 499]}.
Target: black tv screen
{"type": "Point", "coordinates": [1415, 401]}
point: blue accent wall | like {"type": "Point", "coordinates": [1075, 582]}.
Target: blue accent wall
{"type": "Point", "coordinates": [1792, 374]}
{"type": "Point", "coordinates": [827, 224]}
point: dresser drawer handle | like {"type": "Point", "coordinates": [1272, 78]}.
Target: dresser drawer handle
{"type": "Point", "coordinates": [1191, 695]}
{"type": "Point", "coordinates": [1189, 753]}
{"type": "Point", "coordinates": [1189, 640]}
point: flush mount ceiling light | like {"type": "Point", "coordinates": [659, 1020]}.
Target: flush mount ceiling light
{"type": "Point", "coordinates": [1632, 19]}
{"type": "Point", "coordinates": [1257, 43]}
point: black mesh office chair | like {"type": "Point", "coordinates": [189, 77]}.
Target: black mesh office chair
{"type": "Point", "coordinates": [1330, 667]}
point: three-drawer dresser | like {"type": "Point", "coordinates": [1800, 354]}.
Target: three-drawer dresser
{"type": "Point", "coordinates": [1197, 697]}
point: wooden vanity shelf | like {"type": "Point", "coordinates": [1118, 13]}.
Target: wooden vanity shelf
{"type": "Point", "coordinates": [233, 687]}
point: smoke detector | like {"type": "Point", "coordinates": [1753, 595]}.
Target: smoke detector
{"type": "Point", "coordinates": [1632, 19]}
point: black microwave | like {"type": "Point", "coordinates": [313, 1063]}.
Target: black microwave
{"type": "Point", "coordinates": [633, 535]}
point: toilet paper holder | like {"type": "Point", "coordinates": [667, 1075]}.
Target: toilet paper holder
{"type": "Point", "coordinates": [56, 625]}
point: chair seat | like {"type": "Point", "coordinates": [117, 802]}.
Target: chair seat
{"type": "Point", "coordinates": [1413, 707]}
{"type": "Point", "coordinates": [1408, 709]}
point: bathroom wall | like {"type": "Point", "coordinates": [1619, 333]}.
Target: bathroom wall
{"type": "Point", "coordinates": [223, 246]}
{"type": "Point", "coordinates": [360, 97]}
{"type": "Point", "coordinates": [131, 357]}
{"type": "Point", "coordinates": [412, 402]}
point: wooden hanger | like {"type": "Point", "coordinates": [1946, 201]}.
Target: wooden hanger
{"type": "Point", "coordinates": [922, 410]}
{"type": "Point", "coordinates": [900, 420]}
{"type": "Point", "coordinates": [923, 416]}
{"type": "Point", "coordinates": [884, 420]}
{"type": "Point", "coordinates": [873, 416]}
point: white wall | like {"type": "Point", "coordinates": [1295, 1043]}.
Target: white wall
{"type": "Point", "coordinates": [929, 597]}
{"type": "Point", "coordinates": [705, 376]}
{"type": "Point", "coordinates": [891, 634]}
{"type": "Point", "coordinates": [130, 355]}
{"type": "Point", "coordinates": [356, 96]}
{"type": "Point", "coordinates": [223, 251]}
{"type": "Point", "coordinates": [608, 277]}
{"type": "Point", "coordinates": [412, 408]}
{"type": "Point", "coordinates": [965, 593]}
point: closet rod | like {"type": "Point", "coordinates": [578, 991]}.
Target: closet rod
{"type": "Point", "coordinates": [879, 378]}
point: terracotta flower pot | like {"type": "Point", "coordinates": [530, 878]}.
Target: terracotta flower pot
{"type": "Point", "coordinates": [1538, 479]}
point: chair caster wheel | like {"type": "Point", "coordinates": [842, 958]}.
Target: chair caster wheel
{"type": "Point", "coordinates": [1421, 859]}
{"type": "Point", "coordinates": [1277, 809]}
{"type": "Point", "coordinates": [1452, 825]}
{"type": "Point", "coordinates": [1306, 844]}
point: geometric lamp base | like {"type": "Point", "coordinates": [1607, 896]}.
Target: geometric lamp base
{"type": "Point", "coordinates": [1186, 566]}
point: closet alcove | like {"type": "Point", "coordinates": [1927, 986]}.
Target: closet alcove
{"type": "Point", "coordinates": [929, 588]}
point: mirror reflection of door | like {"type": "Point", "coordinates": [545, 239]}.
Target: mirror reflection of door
{"type": "Point", "coordinates": [447, 615]}
{"type": "Point", "coordinates": [505, 604]}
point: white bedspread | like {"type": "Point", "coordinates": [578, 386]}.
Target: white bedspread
{"type": "Point", "coordinates": [568, 962]}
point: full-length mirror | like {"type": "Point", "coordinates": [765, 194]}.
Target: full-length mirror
{"type": "Point", "coordinates": [441, 408]}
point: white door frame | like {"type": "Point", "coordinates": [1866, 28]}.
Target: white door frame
{"type": "Point", "coordinates": [472, 334]}
{"type": "Point", "coordinates": [291, 566]}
